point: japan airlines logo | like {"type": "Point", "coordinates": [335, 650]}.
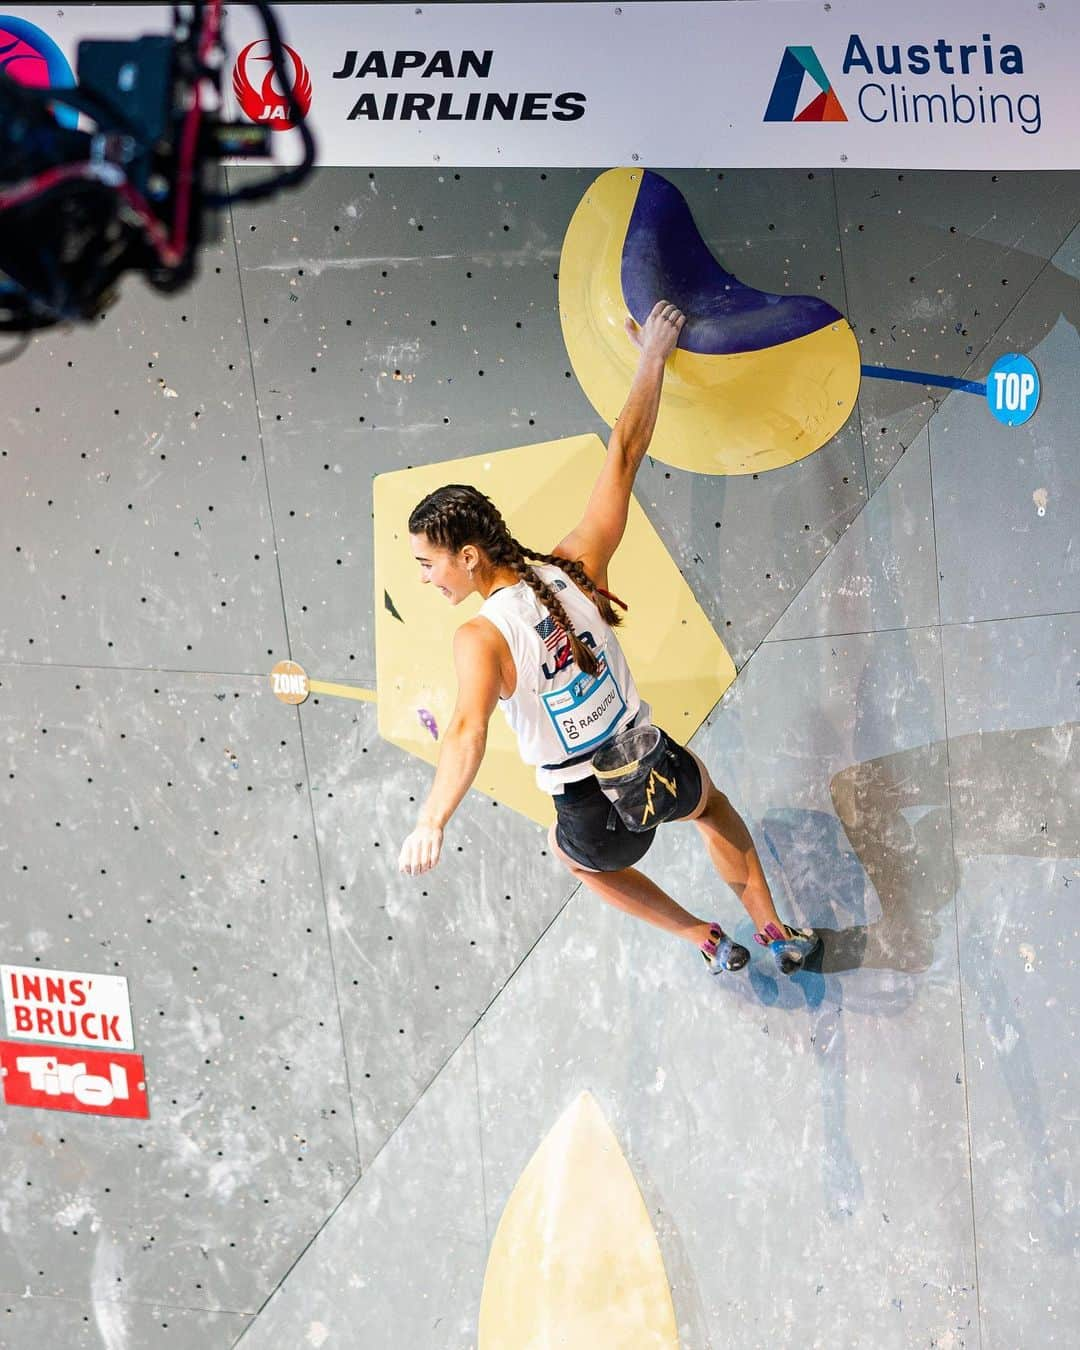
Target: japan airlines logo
{"type": "Point", "coordinates": [795, 65]}
{"type": "Point", "coordinates": [266, 104]}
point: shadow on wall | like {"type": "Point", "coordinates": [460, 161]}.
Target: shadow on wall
{"type": "Point", "coordinates": [880, 875]}
{"type": "Point", "coordinates": [879, 872]}
{"type": "Point", "coordinates": [1050, 296]}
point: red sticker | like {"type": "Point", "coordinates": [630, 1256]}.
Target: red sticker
{"type": "Point", "coordinates": [62, 1078]}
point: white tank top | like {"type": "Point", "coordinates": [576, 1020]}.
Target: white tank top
{"type": "Point", "coordinates": [556, 711]}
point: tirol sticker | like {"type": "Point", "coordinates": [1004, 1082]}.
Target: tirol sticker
{"type": "Point", "coordinates": [67, 1006]}
{"type": "Point", "coordinates": [64, 1078]}
{"type": "Point", "coordinates": [586, 711]}
{"type": "Point", "coordinates": [1012, 389]}
{"type": "Point", "coordinates": [289, 682]}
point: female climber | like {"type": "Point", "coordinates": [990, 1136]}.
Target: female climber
{"type": "Point", "coordinates": [542, 647]}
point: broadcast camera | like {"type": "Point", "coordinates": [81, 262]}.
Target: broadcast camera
{"type": "Point", "coordinates": [137, 192]}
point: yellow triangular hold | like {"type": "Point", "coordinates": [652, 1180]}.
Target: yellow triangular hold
{"type": "Point", "coordinates": [575, 1264]}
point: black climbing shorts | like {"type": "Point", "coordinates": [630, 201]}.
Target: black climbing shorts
{"type": "Point", "coordinates": [590, 832]}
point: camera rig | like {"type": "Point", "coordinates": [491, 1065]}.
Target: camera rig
{"type": "Point", "coordinates": [135, 193]}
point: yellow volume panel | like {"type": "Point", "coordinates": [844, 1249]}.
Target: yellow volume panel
{"type": "Point", "coordinates": [680, 664]}
{"type": "Point", "coordinates": [722, 412]}
{"type": "Point", "coordinates": [575, 1263]}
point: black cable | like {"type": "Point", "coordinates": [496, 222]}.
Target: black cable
{"type": "Point", "coordinates": [288, 177]}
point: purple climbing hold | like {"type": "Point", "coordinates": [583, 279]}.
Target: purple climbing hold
{"type": "Point", "coordinates": [664, 256]}
{"type": "Point", "coordinates": [427, 721]}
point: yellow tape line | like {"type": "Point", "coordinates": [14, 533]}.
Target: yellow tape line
{"type": "Point", "coordinates": [615, 773]}
{"type": "Point", "coordinates": [342, 691]}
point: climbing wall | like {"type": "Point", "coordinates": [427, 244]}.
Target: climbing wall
{"type": "Point", "coordinates": [347, 1072]}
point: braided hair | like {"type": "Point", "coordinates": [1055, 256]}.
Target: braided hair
{"type": "Point", "coordinates": [456, 515]}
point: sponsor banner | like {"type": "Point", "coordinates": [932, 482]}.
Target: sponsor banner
{"type": "Point", "coordinates": [764, 83]}
{"type": "Point", "coordinates": [62, 1078]}
{"type": "Point", "coordinates": [67, 1007]}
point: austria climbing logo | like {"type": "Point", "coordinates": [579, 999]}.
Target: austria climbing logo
{"type": "Point", "coordinates": [787, 95]}
{"type": "Point", "coordinates": [932, 84]}
{"type": "Point", "coordinates": [265, 104]}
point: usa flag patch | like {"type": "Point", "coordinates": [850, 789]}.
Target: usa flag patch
{"type": "Point", "coordinates": [552, 633]}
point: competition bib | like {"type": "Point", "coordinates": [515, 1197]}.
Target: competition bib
{"type": "Point", "coordinates": [587, 710]}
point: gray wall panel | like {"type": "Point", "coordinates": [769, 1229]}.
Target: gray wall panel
{"type": "Point", "coordinates": [400, 1263]}
{"type": "Point", "coordinates": [1067, 261]}
{"type": "Point", "coordinates": [882, 572]}
{"type": "Point", "coordinates": [50, 1322]}
{"type": "Point", "coordinates": [1020, 1010]}
{"type": "Point", "coordinates": [136, 529]}
{"type": "Point", "coordinates": [418, 958]}
{"type": "Point", "coordinates": [1005, 497]}
{"type": "Point", "coordinates": [1002, 676]}
{"type": "Point", "coordinates": [935, 263]}
{"type": "Point", "coordinates": [165, 835]}
{"type": "Point", "coordinates": [1014, 707]}
{"type": "Point", "coordinates": [747, 545]}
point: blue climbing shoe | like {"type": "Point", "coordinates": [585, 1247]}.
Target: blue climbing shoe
{"type": "Point", "coordinates": [789, 946]}
{"type": "Point", "coordinates": [721, 953]}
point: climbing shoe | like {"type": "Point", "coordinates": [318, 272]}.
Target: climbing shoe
{"type": "Point", "coordinates": [789, 946]}
{"type": "Point", "coordinates": [721, 953]}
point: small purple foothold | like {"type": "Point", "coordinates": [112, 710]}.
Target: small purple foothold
{"type": "Point", "coordinates": [426, 720]}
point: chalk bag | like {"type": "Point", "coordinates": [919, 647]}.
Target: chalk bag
{"type": "Point", "coordinates": [636, 772]}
